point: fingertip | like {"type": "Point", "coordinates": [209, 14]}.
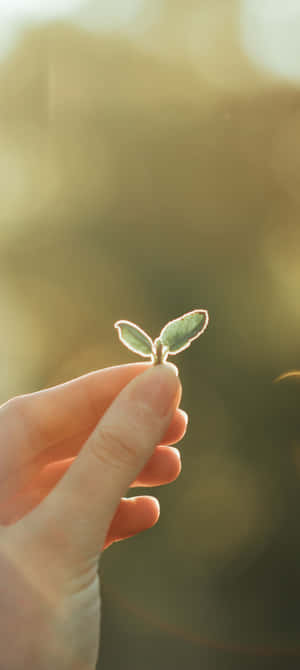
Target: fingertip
{"type": "Point", "coordinates": [151, 508]}
{"type": "Point", "coordinates": [176, 451]}
{"type": "Point", "coordinates": [185, 415]}
{"type": "Point", "coordinates": [173, 367]}
{"type": "Point", "coordinates": [154, 507]}
{"type": "Point", "coordinates": [176, 474]}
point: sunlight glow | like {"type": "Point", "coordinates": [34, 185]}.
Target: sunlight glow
{"type": "Point", "coordinates": [291, 374]}
{"type": "Point", "coordinates": [111, 14]}
{"type": "Point", "coordinates": [270, 35]}
{"type": "Point", "coordinates": [17, 15]}
{"type": "Point", "coordinates": [37, 9]}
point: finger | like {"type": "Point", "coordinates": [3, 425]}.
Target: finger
{"type": "Point", "coordinates": [43, 419]}
{"type": "Point", "coordinates": [119, 447]}
{"type": "Point", "coordinates": [176, 429]}
{"type": "Point", "coordinates": [70, 448]}
{"type": "Point", "coordinates": [132, 516]}
{"type": "Point", "coordinates": [52, 464]}
{"type": "Point", "coordinates": [162, 467]}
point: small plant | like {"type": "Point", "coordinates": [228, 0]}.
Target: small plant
{"type": "Point", "coordinates": [176, 336]}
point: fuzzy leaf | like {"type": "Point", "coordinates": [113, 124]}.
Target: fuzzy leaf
{"type": "Point", "coordinates": [134, 338]}
{"type": "Point", "coordinates": [178, 334]}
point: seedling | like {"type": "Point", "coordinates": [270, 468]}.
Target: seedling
{"type": "Point", "coordinates": [176, 336]}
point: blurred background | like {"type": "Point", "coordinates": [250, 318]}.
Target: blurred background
{"type": "Point", "coordinates": [150, 165]}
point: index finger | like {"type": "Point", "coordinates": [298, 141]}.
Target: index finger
{"type": "Point", "coordinates": [31, 423]}
{"type": "Point", "coordinates": [60, 412]}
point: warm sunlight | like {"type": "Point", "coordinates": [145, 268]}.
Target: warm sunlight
{"type": "Point", "coordinates": [38, 10]}
{"type": "Point", "coordinates": [270, 35]}
{"type": "Point", "coordinates": [17, 15]}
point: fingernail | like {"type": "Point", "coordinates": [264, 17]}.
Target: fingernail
{"type": "Point", "coordinates": [158, 388]}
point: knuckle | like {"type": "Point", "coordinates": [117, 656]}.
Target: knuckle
{"type": "Point", "coordinates": [16, 402]}
{"type": "Point", "coordinates": [24, 409]}
{"type": "Point", "coordinates": [17, 406]}
{"type": "Point", "coordinates": [113, 449]}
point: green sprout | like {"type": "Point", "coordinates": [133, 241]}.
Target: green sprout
{"type": "Point", "coordinates": [176, 336]}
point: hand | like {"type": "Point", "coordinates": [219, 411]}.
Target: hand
{"type": "Point", "coordinates": [67, 456]}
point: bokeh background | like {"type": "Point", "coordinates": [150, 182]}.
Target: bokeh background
{"type": "Point", "coordinates": [150, 165]}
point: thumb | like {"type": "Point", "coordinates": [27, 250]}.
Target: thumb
{"type": "Point", "coordinates": [82, 505]}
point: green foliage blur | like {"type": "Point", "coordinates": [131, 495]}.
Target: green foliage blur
{"type": "Point", "coordinates": [136, 185]}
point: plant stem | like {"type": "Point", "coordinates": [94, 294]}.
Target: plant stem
{"type": "Point", "coordinates": [159, 355]}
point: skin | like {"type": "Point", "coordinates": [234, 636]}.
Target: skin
{"type": "Point", "coordinates": [68, 455]}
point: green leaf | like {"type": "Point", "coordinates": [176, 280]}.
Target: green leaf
{"type": "Point", "coordinates": [134, 338]}
{"type": "Point", "coordinates": [179, 333]}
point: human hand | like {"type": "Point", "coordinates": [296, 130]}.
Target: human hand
{"type": "Point", "coordinates": [54, 527]}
